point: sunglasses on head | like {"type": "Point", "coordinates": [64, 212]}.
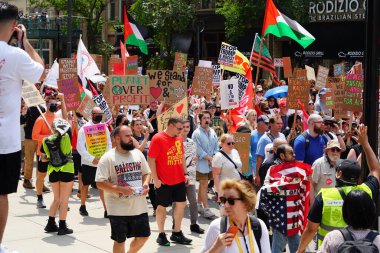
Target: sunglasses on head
{"type": "Point", "coordinates": [231, 201]}
{"type": "Point", "coordinates": [230, 143]}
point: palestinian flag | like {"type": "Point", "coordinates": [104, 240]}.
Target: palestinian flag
{"type": "Point", "coordinates": [132, 35]}
{"type": "Point", "coordinates": [280, 25]}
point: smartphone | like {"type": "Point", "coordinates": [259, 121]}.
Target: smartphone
{"type": "Point", "coordinates": [232, 230]}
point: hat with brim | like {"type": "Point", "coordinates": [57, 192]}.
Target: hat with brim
{"type": "Point", "coordinates": [333, 144]}
{"type": "Point", "coordinates": [351, 170]}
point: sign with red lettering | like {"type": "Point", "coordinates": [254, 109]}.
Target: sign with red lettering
{"type": "Point", "coordinates": [70, 88]}
{"type": "Point", "coordinates": [352, 100]}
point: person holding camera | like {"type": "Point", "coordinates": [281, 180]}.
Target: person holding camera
{"type": "Point", "coordinates": [16, 65]}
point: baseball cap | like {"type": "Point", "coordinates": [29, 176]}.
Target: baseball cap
{"type": "Point", "coordinates": [329, 119]}
{"type": "Point", "coordinates": [263, 118]}
{"type": "Point", "coordinates": [350, 170]}
{"type": "Point", "coordinates": [333, 144]}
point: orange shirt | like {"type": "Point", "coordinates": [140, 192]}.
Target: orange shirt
{"type": "Point", "coordinates": [41, 130]}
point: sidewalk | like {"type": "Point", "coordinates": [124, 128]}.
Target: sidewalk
{"type": "Point", "coordinates": [25, 228]}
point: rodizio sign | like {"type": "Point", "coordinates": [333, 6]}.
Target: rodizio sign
{"type": "Point", "coordinates": [337, 10]}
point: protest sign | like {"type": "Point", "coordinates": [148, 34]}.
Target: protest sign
{"type": "Point", "coordinates": [98, 58]}
{"type": "Point", "coordinates": [241, 64]}
{"type": "Point", "coordinates": [229, 94]}
{"type": "Point", "coordinates": [68, 68]}
{"type": "Point", "coordinates": [177, 110]}
{"type": "Point", "coordinates": [180, 62]}
{"type": "Point", "coordinates": [227, 55]}
{"type": "Point", "coordinates": [131, 65]}
{"type": "Point", "coordinates": [339, 69]}
{"type": "Point", "coordinates": [329, 100]}
{"type": "Point", "coordinates": [85, 107]}
{"type": "Point", "coordinates": [111, 66]}
{"type": "Point", "coordinates": [31, 95]}
{"type": "Point", "coordinates": [242, 84]}
{"type": "Point", "coordinates": [323, 73]}
{"type": "Point", "coordinates": [310, 73]}
{"type": "Point", "coordinates": [96, 139]}
{"type": "Point", "coordinates": [300, 73]}
{"type": "Point", "coordinates": [70, 88]}
{"type": "Point", "coordinates": [338, 93]}
{"type": "Point", "coordinates": [125, 90]}
{"type": "Point", "coordinates": [297, 89]}
{"type": "Point", "coordinates": [278, 62]}
{"type": "Point", "coordinates": [353, 93]}
{"type": "Point", "coordinates": [202, 81]}
{"type": "Point", "coordinates": [167, 84]}
{"type": "Point", "coordinates": [102, 103]}
{"type": "Point", "coordinates": [217, 75]}
{"type": "Point", "coordinates": [205, 64]}
{"type": "Point", "coordinates": [242, 144]}
{"type": "Point", "coordinates": [288, 72]}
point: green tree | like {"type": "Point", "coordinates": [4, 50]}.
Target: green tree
{"type": "Point", "coordinates": [164, 18]}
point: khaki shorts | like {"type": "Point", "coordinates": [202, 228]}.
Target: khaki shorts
{"type": "Point", "coordinates": [204, 176]}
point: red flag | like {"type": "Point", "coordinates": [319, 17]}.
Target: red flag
{"type": "Point", "coordinates": [305, 116]}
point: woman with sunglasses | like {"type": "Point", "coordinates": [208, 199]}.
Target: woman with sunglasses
{"type": "Point", "coordinates": [238, 198]}
{"type": "Point", "coordinates": [226, 163]}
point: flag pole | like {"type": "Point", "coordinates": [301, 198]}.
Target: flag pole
{"type": "Point", "coordinates": [259, 60]}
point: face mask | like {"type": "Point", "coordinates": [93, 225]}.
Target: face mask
{"type": "Point", "coordinates": [127, 146]}
{"type": "Point", "coordinates": [53, 108]}
{"type": "Point", "coordinates": [97, 118]}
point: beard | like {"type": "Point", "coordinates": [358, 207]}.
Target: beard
{"type": "Point", "coordinates": [127, 146]}
{"type": "Point", "coordinates": [318, 130]}
{"type": "Point", "coordinates": [333, 158]}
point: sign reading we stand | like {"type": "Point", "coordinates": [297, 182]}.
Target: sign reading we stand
{"type": "Point", "coordinates": [166, 85]}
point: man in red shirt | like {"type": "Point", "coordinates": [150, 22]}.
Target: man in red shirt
{"type": "Point", "coordinates": [166, 159]}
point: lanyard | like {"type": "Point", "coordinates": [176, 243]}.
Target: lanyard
{"type": "Point", "coordinates": [250, 238]}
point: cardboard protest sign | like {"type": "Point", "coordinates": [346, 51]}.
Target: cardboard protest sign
{"type": "Point", "coordinates": [310, 73]}
{"type": "Point", "coordinates": [125, 90]}
{"type": "Point", "coordinates": [131, 65]}
{"type": "Point", "coordinates": [177, 110]}
{"type": "Point", "coordinates": [217, 75]}
{"type": "Point", "coordinates": [242, 144]}
{"type": "Point", "coordinates": [98, 58]}
{"type": "Point", "coordinates": [111, 66]}
{"type": "Point", "coordinates": [329, 100]}
{"type": "Point", "coordinates": [339, 69]}
{"type": "Point", "coordinates": [288, 71]}
{"type": "Point", "coordinates": [31, 95]}
{"type": "Point", "coordinates": [68, 68]}
{"type": "Point", "coordinates": [297, 89]}
{"type": "Point", "coordinates": [180, 62]}
{"type": "Point", "coordinates": [353, 93]}
{"type": "Point", "coordinates": [101, 102]}
{"type": "Point", "coordinates": [242, 84]}
{"type": "Point", "coordinates": [205, 64]}
{"type": "Point", "coordinates": [85, 107]}
{"type": "Point", "coordinates": [300, 73]}
{"type": "Point", "coordinates": [70, 88]}
{"type": "Point", "coordinates": [202, 81]}
{"type": "Point", "coordinates": [96, 139]}
{"type": "Point", "coordinates": [227, 55]}
{"type": "Point", "coordinates": [338, 93]}
{"type": "Point", "coordinates": [323, 73]}
{"type": "Point", "coordinates": [229, 94]}
{"type": "Point", "coordinates": [167, 84]}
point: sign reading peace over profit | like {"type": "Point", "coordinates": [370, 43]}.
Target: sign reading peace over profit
{"type": "Point", "coordinates": [353, 93]}
{"type": "Point", "coordinates": [31, 95]}
{"type": "Point", "coordinates": [227, 55]}
{"type": "Point", "coordinates": [177, 110]}
{"type": "Point", "coordinates": [322, 75]}
{"type": "Point", "coordinates": [298, 89]}
{"type": "Point", "coordinates": [126, 90]}
{"type": "Point", "coordinates": [68, 68]}
{"type": "Point", "coordinates": [166, 84]}
{"type": "Point", "coordinates": [71, 91]}
{"type": "Point", "coordinates": [180, 62]}
{"type": "Point", "coordinates": [242, 144]}
{"type": "Point", "coordinates": [202, 81]}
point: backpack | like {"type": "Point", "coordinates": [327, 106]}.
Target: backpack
{"type": "Point", "coordinates": [364, 245]}
{"type": "Point", "coordinates": [57, 158]}
{"type": "Point", "coordinates": [307, 140]}
{"type": "Point", "coordinates": [255, 225]}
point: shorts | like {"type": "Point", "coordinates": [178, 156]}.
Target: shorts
{"type": "Point", "coordinates": [9, 172]}
{"type": "Point", "coordinates": [60, 176]}
{"type": "Point", "coordinates": [88, 174]}
{"type": "Point", "coordinates": [167, 194]}
{"type": "Point", "coordinates": [123, 227]}
{"type": "Point", "coordinates": [77, 163]}
{"type": "Point", "coordinates": [204, 176]}
{"type": "Point", "coordinates": [42, 166]}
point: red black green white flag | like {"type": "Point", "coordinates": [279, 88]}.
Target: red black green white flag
{"type": "Point", "coordinates": [132, 35]}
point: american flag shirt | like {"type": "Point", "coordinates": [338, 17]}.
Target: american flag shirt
{"type": "Point", "coordinates": [286, 199]}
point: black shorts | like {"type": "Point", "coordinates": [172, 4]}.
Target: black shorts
{"type": "Point", "coordinates": [42, 166]}
{"type": "Point", "coordinates": [167, 194]}
{"type": "Point", "coordinates": [61, 177]}
{"type": "Point", "coordinates": [123, 227]}
{"type": "Point", "coordinates": [9, 172]}
{"type": "Point", "coordinates": [77, 163]}
{"type": "Point", "coordinates": [88, 174]}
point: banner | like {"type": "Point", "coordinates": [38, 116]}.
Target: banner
{"type": "Point", "coordinates": [126, 90]}
{"type": "Point", "coordinates": [353, 93]}
{"type": "Point", "coordinates": [68, 68]}
{"type": "Point", "coordinates": [96, 139]}
{"type": "Point", "coordinates": [101, 102]}
{"type": "Point", "coordinates": [297, 89]}
{"type": "Point", "coordinates": [310, 73]}
{"type": "Point", "coordinates": [227, 55]}
{"type": "Point", "coordinates": [31, 95]}
{"type": "Point", "coordinates": [217, 75]}
{"type": "Point", "coordinates": [202, 81]}
{"type": "Point", "coordinates": [167, 84]}
{"type": "Point", "coordinates": [180, 62]}
{"type": "Point", "coordinates": [229, 94]}
{"type": "Point", "coordinates": [322, 76]}
{"type": "Point", "coordinates": [288, 71]}
{"type": "Point", "coordinates": [179, 109]}
{"type": "Point", "coordinates": [70, 88]}
{"type": "Point", "coordinates": [85, 107]}
{"type": "Point", "coordinates": [242, 144]}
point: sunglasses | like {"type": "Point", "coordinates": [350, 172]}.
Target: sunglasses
{"type": "Point", "coordinates": [335, 150]}
{"type": "Point", "coordinates": [230, 143]}
{"type": "Point", "coordinates": [231, 201]}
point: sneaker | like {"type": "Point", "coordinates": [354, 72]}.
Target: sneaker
{"type": "Point", "coordinates": [51, 227]}
{"type": "Point", "coordinates": [162, 240]}
{"type": "Point", "coordinates": [41, 203]}
{"type": "Point", "coordinates": [45, 189]}
{"type": "Point", "coordinates": [207, 213]}
{"type": "Point", "coordinates": [201, 210]}
{"type": "Point", "coordinates": [178, 237]}
{"type": "Point", "coordinates": [105, 214]}
{"type": "Point", "coordinates": [83, 211]}
{"type": "Point", "coordinates": [6, 250]}
{"type": "Point", "coordinates": [196, 229]}
{"type": "Point", "coordinates": [27, 184]}
{"type": "Point", "coordinates": [64, 230]}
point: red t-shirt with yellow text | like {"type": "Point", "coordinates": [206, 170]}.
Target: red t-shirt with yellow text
{"type": "Point", "coordinates": [168, 152]}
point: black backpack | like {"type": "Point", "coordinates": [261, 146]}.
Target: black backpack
{"type": "Point", "coordinates": [57, 158]}
{"type": "Point", "coordinates": [255, 225]}
{"type": "Point", "coordinates": [364, 245]}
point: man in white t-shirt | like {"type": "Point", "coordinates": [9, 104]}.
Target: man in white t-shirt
{"type": "Point", "coordinates": [124, 175]}
{"type": "Point", "coordinates": [16, 65]}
